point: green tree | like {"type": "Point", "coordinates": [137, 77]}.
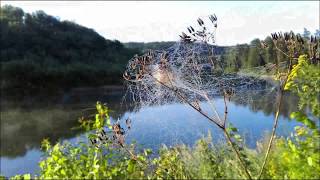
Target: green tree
{"type": "Point", "coordinates": [12, 15]}
{"type": "Point", "coordinates": [317, 33]}
{"type": "Point", "coordinates": [306, 33]}
{"type": "Point", "coordinates": [255, 57]}
{"type": "Point", "coordinates": [270, 51]}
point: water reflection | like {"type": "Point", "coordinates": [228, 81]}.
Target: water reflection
{"type": "Point", "coordinates": [264, 100]}
{"type": "Point", "coordinates": [25, 123]}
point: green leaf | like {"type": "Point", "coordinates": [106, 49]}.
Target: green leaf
{"type": "Point", "coordinates": [63, 172]}
{"type": "Point", "coordinates": [131, 166]}
{"type": "Point", "coordinates": [237, 136]}
{"type": "Point", "coordinates": [109, 123]}
{"type": "Point", "coordinates": [27, 176]}
{"type": "Point", "coordinates": [309, 161]}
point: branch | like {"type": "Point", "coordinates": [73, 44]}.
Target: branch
{"type": "Point", "coordinates": [237, 153]}
{"type": "Point", "coordinates": [275, 124]}
{"type": "Point", "coordinates": [276, 119]}
{"type": "Point", "coordinates": [225, 109]}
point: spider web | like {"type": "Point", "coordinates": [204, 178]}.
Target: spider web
{"type": "Point", "coordinates": [188, 72]}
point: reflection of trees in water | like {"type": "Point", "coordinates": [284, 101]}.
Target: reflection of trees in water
{"type": "Point", "coordinates": [24, 129]}
{"type": "Point", "coordinates": [265, 101]}
{"type": "Point", "coordinates": [25, 123]}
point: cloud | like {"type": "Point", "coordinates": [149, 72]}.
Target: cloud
{"type": "Point", "coordinates": [239, 22]}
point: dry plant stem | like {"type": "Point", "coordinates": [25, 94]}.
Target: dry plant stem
{"type": "Point", "coordinates": [212, 120]}
{"type": "Point", "coordinates": [229, 138]}
{"type": "Point", "coordinates": [133, 156]}
{"type": "Point", "coordinates": [237, 153]}
{"type": "Point", "coordinates": [282, 51]}
{"type": "Point", "coordinates": [276, 119]}
{"type": "Point", "coordinates": [225, 110]}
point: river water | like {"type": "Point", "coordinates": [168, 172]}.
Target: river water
{"type": "Point", "coordinates": [25, 122]}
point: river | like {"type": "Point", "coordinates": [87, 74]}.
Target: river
{"type": "Point", "coordinates": [25, 122]}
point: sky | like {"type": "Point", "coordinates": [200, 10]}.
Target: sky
{"type": "Point", "coordinates": [142, 21]}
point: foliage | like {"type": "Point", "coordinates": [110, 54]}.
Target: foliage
{"type": "Point", "coordinates": [84, 160]}
{"type": "Point", "coordinates": [298, 156]}
{"type": "Point", "coordinates": [258, 53]}
{"type": "Point", "coordinates": [203, 161]}
{"type": "Point", "coordinates": [304, 80]}
{"type": "Point", "coordinates": [87, 161]}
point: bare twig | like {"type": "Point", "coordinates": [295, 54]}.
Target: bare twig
{"type": "Point", "coordinates": [275, 124]}
{"type": "Point", "coordinates": [225, 109]}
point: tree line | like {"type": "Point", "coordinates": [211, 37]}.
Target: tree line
{"type": "Point", "coordinates": [257, 53]}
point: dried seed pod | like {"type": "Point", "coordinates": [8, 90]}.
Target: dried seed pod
{"type": "Point", "coordinates": [128, 123]}
{"type": "Point", "coordinates": [200, 21]}
{"type": "Point", "coordinates": [184, 34]}
{"type": "Point", "coordinates": [191, 28]}
{"type": "Point", "coordinates": [229, 92]}
{"type": "Point", "coordinates": [94, 142]}
{"type": "Point", "coordinates": [300, 39]}
{"type": "Point", "coordinates": [185, 37]}
{"type": "Point", "coordinates": [213, 18]}
{"type": "Point", "coordinates": [274, 36]}
{"type": "Point", "coordinates": [126, 76]}
{"type": "Point", "coordinates": [286, 36]}
{"type": "Point", "coordinates": [292, 36]}
{"type": "Point", "coordinates": [116, 128]}
{"type": "Point", "coordinates": [103, 132]}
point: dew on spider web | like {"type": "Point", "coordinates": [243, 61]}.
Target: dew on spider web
{"type": "Point", "coordinates": [188, 72]}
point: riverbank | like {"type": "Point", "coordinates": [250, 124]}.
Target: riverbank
{"type": "Point", "coordinates": [269, 78]}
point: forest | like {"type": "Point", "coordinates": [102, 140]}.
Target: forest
{"type": "Point", "coordinates": [40, 52]}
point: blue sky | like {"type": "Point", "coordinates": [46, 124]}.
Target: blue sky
{"type": "Point", "coordinates": [238, 21]}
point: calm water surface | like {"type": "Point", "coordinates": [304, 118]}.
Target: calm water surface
{"type": "Point", "coordinates": [25, 122]}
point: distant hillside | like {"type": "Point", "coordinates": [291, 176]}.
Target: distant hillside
{"type": "Point", "coordinates": [142, 47]}
{"type": "Point", "coordinates": [38, 51]}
